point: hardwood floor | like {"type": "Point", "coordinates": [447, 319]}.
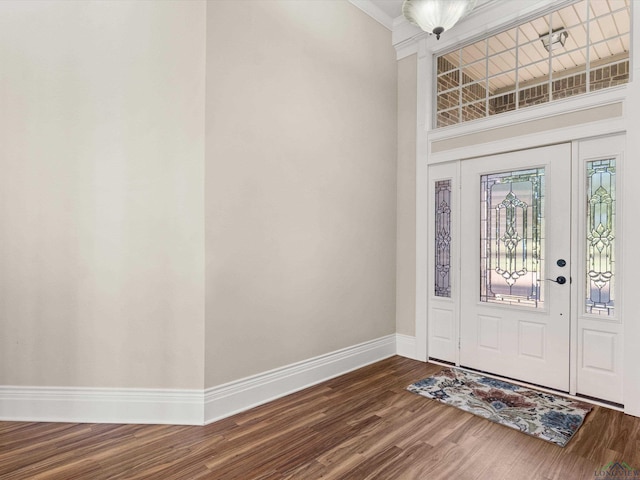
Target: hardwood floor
{"type": "Point", "coordinates": [363, 425]}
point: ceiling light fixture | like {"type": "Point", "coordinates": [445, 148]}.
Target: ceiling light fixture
{"type": "Point", "coordinates": [554, 39]}
{"type": "Point", "coordinates": [436, 16]}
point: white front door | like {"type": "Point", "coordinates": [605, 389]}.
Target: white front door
{"type": "Point", "coordinates": [515, 235]}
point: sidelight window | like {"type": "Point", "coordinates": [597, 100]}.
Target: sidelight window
{"type": "Point", "coordinates": [443, 239]}
{"type": "Point", "coordinates": [601, 234]}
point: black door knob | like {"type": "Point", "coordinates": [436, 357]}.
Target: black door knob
{"type": "Point", "coordinates": [561, 280]}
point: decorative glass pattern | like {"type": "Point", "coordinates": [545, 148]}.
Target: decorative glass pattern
{"type": "Point", "coordinates": [443, 239]}
{"type": "Point", "coordinates": [512, 238]}
{"type": "Point", "coordinates": [601, 216]}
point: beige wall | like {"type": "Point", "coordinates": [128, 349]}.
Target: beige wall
{"type": "Point", "coordinates": [101, 193]}
{"type": "Point", "coordinates": [406, 230]}
{"type": "Point", "coordinates": [102, 128]}
{"type": "Point", "coordinates": [300, 183]}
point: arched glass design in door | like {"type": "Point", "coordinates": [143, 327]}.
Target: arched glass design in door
{"type": "Point", "coordinates": [512, 238]}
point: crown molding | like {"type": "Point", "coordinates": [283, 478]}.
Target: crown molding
{"type": "Point", "coordinates": [405, 37]}
{"type": "Point", "coordinates": [374, 12]}
{"type": "Point", "coordinates": [486, 17]}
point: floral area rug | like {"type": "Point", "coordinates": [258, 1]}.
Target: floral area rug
{"type": "Point", "coordinates": [543, 415]}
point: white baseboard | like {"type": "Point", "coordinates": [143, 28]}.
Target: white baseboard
{"type": "Point", "coordinates": [234, 397]}
{"type": "Point", "coordinates": [183, 407]}
{"type": "Point", "coordinates": [101, 405]}
{"type": "Point", "coordinates": [406, 346]}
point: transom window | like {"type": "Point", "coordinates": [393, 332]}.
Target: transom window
{"type": "Point", "coordinates": [580, 48]}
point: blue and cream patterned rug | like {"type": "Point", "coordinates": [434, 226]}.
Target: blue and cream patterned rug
{"type": "Point", "coordinates": [543, 415]}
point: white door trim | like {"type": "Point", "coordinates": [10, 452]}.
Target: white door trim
{"type": "Point", "coordinates": [602, 380]}
{"type": "Point", "coordinates": [626, 122]}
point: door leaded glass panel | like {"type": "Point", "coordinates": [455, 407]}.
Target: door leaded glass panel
{"type": "Point", "coordinates": [512, 238]}
{"type": "Point", "coordinates": [601, 234]}
{"type": "Point", "coordinates": [443, 239]}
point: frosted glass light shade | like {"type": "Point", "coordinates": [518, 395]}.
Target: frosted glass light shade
{"type": "Point", "coordinates": [436, 16]}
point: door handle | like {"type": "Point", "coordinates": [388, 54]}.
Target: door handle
{"type": "Point", "coordinates": [560, 280]}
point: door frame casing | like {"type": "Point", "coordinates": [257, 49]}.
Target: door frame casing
{"type": "Point", "coordinates": [574, 137]}
{"type": "Point", "coordinates": [626, 97]}
{"type": "Point", "coordinates": [576, 263]}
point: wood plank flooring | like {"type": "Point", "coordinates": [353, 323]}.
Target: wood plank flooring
{"type": "Point", "coordinates": [362, 425]}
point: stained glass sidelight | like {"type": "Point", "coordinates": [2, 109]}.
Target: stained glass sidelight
{"type": "Point", "coordinates": [512, 238]}
{"type": "Point", "coordinates": [443, 239]}
{"type": "Point", "coordinates": [601, 208]}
